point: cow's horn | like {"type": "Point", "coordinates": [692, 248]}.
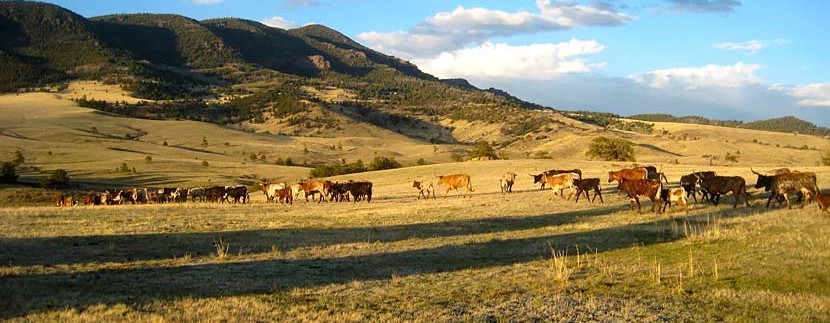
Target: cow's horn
{"type": "Point", "coordinates": [754, 172]}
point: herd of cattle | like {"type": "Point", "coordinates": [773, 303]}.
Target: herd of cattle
{"type": "Point", "coordinates": [636, 183]}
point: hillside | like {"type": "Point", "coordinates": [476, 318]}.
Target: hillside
{"type": "Point", "coordinates": [784, 124]}
{"type": "Point", "coordinates": [244, 74]}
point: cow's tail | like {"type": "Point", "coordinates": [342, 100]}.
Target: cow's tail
{"type": "Point", "coordinates": [659, 191]}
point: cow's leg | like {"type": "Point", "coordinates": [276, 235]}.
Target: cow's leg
{"type": "Point", "coordinates": [787, 198]}
{"type": "Point", "coordinates": [771, 196]}
{"type": "Point", "coordinates": [598, 192]}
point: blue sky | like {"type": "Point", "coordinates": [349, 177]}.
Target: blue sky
{"type": "Point", "coordinates": [718, 58]}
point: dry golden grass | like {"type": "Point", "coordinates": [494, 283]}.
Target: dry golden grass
{"type": "Point", "coordinates": [403, 259]}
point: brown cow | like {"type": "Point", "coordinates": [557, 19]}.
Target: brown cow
{"type": "Point", "coordinates": [650, 188]}
{"type": "Point", "coordinates": [65, 200]}
{"type": "Point", "coordinates": [312, 187]}
{"type": "Point", "coordinates": [506, 182]}
{"type": "Point", "coordinates": [424, 186]}
{"type": "Point", "coordinates": [722, 185]}
{"type": "Point", "coordinates": [558, 183]}
{"type": "Point", "coordinates": [823, 201]}
{"type": "Point", "coordinates": [540, 178]}
{"type": "Point", "coordinates": [92, 198]}
{"type": "Point", "coordinates": [585, 185]}
{"type": "Point", "coordinates": [270, 189]}
{"type": "Point", "coordinates": [454, 181]}
{"type": "Point", "coordinates": [284, 195]}
{"type": "Point", "coordinates": [671, 195]}
{"type": "Point", "coordinates": [628, 174]}
{"type": "Point", "coordinates": [338, 191]}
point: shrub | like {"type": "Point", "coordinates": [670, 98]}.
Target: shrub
{"type": "Point", "coordinates": [148, 159]}
{"type": "Point", "coordinates": [18, 158]}
{"type": "Point", "coordinates": [9, 173]}
{"type": "Point", "coordinates": [123, 168]}
{"type": "Point", "coordinates": [825, 158]}
{"type": "Point", "coordinates": [731, 157]}
{"type": "Point", "coordinates": [483, 150]}
{"type": "Point", "coordinates": [164, 143]}
{"type": "Point", "coordinates": [611, 149]}
{"type": "Point", "coordinates": [338, 169]}
{"type": "Point", "coordinates": [57, 179]}
{"type": "Point", "coordinates": [381, 163]}
{"type": "Point", "coordinates": [421, 162]}
{"type": "Point", "coordinates": [205, 163]}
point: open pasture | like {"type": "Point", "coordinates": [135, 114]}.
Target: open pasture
{"type": "Point", "coordinates": [493, 257]}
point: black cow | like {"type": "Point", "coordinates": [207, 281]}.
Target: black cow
{"type": "Point", "coordinates": [721, 185]}
{"type": "Point", "coordinates": [691, 181]}
{"type": "Point", "coordinates": [360, 190]}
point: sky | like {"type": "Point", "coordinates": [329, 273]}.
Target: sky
{"type": "Point", "coordinates": [726, 59]}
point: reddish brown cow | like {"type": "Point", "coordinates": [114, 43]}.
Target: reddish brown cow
{"type": "Point", "coordinates": [627, 174]}
{"type": "Point", "coordinates": [823, 201]}
{"type": "Point", "coordinates": [642, 187]}
{"type": "Point", "coordinates": [64, 200]}
{"type": "Point", "coordinates": [455, 181]}
{"type": "Point", "coordinates": [284, 195]}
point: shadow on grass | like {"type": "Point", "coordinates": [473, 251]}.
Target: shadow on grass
{"type": "Point", "coordinates": [134, 247]}
{"type": "Point", "coordinates": [26, 294]}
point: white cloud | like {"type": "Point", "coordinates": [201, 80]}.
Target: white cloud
{"type": "Point", "coordinates": [531, 62]}
{"type": "Point", "coordinates": [728, 76]}
{"type": "Point", "coordinates": [751, 46]}
{"type": "Point", "coordinates": [207, 1]}
{"type": "Point", "coordinates": [447, 31]}
{"type": "Point", "coordinates": [703, 6]}
{"type": "Point", "coordinates": [279, 22]}
{"type": "Point", "coordinates": [301, 3]}
{"type": "Point", "coordinates": [810, 95]}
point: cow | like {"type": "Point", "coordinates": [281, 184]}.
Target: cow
{"type": "Point", "coordinates": [270, 189]}
{"type": "Point", "coordinates": [313, 187]}
{"type": "Point", "coordinates": [690, 182]}
{"type": "Point", "coordinates": [339, 191]}
{"type": "Point", "coordinates": [91, 198]}
{"type": "Point", "coordinates": [424, 188]}
{"type": "Point", "coordinates": [197, 193]}
{"type": "Point", "coordinates": [588, 184]}
{"type": "Point", "coordinates": [128, 195]}
{"type": "Point", "coordinates": [672, 195]}
{"type": "Point", "coordinates": [823, 201]}
{"type": "Point", "coordinates": [141, 196]}
{"type": "Point", "coordinates": [653, 173]}
{"type": "Point", "coordinates": [636, 188]}
{"type": "Point", "coordinates": [540, 178]}
{"type": "Point", "coordinates": [360, 190]}
{"type": "Point", "coordinates": [455, 181]}
{"type": "Point", "coordinates": [786, 183]}
{"type": "Point", "coordinates": [238, 193]}
{"type": "Point", "coordinates": [506, 182]}
{"type": "Point", "coordinates": [180, 194]}
{"type": "Point", "coordinates": [284, 195]}
{"type": "Point", "coordinates": [627, 174]}
{"type": "Point", "coordinates": [721, 185]}
{"type": "Point", "coordinates": [558, 183]}
{"type": "Point", "coordinates": [62, 200]}
{"type": "Point", "coordinates": [215, 193]}
{"type": "Point", "coordinates": [111, 197]}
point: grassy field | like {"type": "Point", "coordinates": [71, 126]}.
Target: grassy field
{"type": "Point", "coordinates": [517, 257]}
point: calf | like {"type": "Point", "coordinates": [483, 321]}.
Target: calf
{"type": "Point", "coordinates": [690, 183]}
{"type": "Point", "coordinates": [721, 185]}
{"type": "Point", "coordinates": [284, 195]}
{"type": "Point", "coordinates": [239, 194]}
{"type": "Point", "coordinates": [650, 188]}
{"type": "Point", "coordinates": [585, 185]}
{"type": "Point", "coordinates": [506, 182]}
{"type": "Point", "coordinates": [540, 178]}
{"type": "Point", "coordinates": [424, 187]}
{"type": "Point", "coordinates": [558, 183]}
{"type": "Point", "coordinates": [270, 189]}
{"type": "Point", "coordinates": [672, 195]}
